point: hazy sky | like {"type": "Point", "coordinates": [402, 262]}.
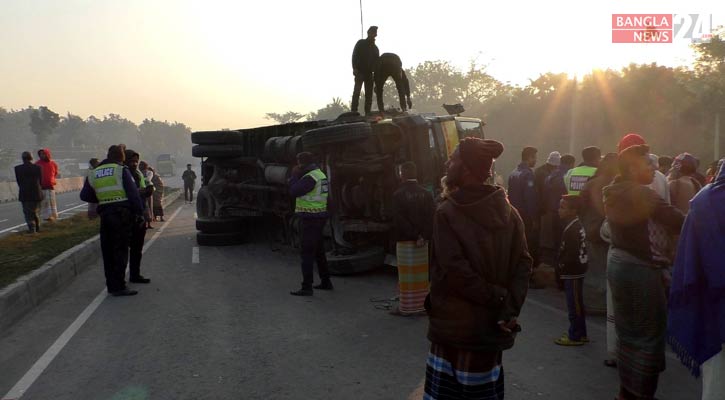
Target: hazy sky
{"type": "Point", "coordinates": [223, 63]}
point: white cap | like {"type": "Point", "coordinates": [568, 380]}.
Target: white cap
{"type": "Point", "coordinates": [554, 159]}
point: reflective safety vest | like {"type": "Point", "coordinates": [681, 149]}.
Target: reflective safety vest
{"type": "Point", "coordinates": [316, 200]}
{"type": "Point", "coordinates": [577, 177]}
{"type": "Point", "coordinates": [141, 179]}
{"type": "Point", "coordinates": [107, 181]}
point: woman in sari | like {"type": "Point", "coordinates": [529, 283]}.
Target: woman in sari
{"type": "Point", "coordinates": [158, 196]}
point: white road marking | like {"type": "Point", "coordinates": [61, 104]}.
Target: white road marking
{"type": "Point", "coordinates": [60, 212]}
{"type": "Point", "coordinates": [3, 220]}
{"type": "Point", "coordinates": [71, 204]}
{"type": "Point", "coordinates": [37, 369]}
{"type": "Point", "coordinates": [195, 255]}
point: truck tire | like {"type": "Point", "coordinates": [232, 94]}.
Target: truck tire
{"type": "Point", "coordinates": [226, 162]}
{"type": "Point", "coordinates": [219, 239]}
{"type": "Point", "coordinates": [216, 137]}
{"type": "Point", "coordinates": [336, 134]}
{"type": "Point", "coordinates": [205, 206]}
{"type": "Point", "coordinates": [220, 225]}
{"type": "Point", "coordinates": [363, 260]}
{"type": "Point", "coordinates": [217, 150]}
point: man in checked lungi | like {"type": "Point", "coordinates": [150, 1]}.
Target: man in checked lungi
{"type": "Point", "coordinates": [480, 268]}
{"type": "Point", "coordinates": [413, 209]}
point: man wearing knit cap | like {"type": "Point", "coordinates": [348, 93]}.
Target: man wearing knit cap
{"type": "Point", "coordinates": [479, 271]}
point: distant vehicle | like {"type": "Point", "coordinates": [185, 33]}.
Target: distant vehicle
{"type": "Point", "coordinates": [166, 165]}
{"type": "Point", "coordinates": [245, 173]}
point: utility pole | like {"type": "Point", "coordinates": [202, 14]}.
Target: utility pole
{"type": "Point", "coordinates": [716, 144]}
{"type": "Point", "coordinates": [361, 21]}
{"type": "Point", "coordinates": [572, 122]}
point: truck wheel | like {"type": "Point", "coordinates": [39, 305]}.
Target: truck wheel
{"type": "Point", "coordinates": [335, 134]}
{"type": "Point", "coordinates": [216, 137]}
{"type": "Point", "coordinates": [219, 239]}
{"type": "Point", "coordinates": [216, 150]}
{"type": "Point", "coordinates": [221, 225]}
{"type": "Point", "coordinates": [363, 260]}
{"type": "Point", "coordinates": [205, 206]}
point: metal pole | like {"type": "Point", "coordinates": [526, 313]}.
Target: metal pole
{"type": "Point", "coordinates": [361, 21]}
{"type": "Point", "coordinates": [716, 145]}
{"type": "Point", "coordinates": [572, 126]}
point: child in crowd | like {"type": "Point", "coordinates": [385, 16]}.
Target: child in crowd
{"type": "Point", "coordinates": [572, 267]}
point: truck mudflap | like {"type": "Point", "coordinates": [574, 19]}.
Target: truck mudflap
{"type": "Point", "coordinates": [362, 260]}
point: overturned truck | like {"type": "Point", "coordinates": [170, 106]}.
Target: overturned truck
{"type": "Point", "coordinates": [245, 173]}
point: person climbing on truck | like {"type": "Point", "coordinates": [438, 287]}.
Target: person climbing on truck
{"type": "Point", "coordinates": [310, 187]}
{"type": "Point", "coordinates": [389, 65]}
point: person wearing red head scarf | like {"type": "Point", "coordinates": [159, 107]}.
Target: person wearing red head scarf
{"type": "Point", "coordinates": [636, 270]}
{"type": "Point", "coordinates": [49, 173]}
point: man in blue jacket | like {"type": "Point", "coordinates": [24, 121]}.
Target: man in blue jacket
{"type": "Point", "coordinates": [522, 195]}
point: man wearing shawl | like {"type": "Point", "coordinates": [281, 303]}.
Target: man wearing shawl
{"type": "Point", "coordinates": [696, 322]}
{"type": "Point", "coordinates": [636, 271]}
{"type": "Point", "coordinates": [479, 271]}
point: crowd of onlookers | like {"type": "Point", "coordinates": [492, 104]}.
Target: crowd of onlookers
{"type": "Point", "coordinates": [623, 213]}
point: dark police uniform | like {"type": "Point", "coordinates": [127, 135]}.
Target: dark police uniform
{"type": "Point", "coordinates": [119, 206]}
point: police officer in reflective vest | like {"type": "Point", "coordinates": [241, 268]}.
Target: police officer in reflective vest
{"type": "Point", "coordinates": [577, 177]}
{"type": "Point", "coordinates": [112, 187]}
{"type": "Point", "coordinates": [309, 186]}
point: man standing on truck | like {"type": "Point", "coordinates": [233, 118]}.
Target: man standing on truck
{"type": "Point", "coordinates": [364, 60]}
{"type": "Point", "coordinates": [310, 187]}
{"type": "Point", "coordinates": [189, 178]}
{"type": "Point", "coordinates": [479, 274]}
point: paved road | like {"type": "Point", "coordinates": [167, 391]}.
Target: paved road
{"type": "Point", "coordinates": [225, 328]}
{"type": "Point", "coordinates": [11, 213]}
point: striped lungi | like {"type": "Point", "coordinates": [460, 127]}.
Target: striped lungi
{"type": "Point", "coordinates": [453, 374]}
{"type": "Point", "coordinates": [412, 276]}
{"type": "Point", "coordinates": [611, 329]}
{"type": "Point", "coordinates": [49, 206]}
{"type": "Point", "coordinates": [640, 312]}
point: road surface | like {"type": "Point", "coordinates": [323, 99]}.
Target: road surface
{"type": "Point", "coordinates": [11, 213]}
{"type": "Point", "coordinates": [218, 323]}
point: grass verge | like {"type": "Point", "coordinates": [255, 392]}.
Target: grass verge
{"type": "Point", "coordinates": [21, 253]}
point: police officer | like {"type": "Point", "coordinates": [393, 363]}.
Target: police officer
{"type": "Point", "coordinates": [119, 205]}
{"type": "Point", "coordinates": [310, 188]}
{"type": "Point", "coordinates": [138, 231]}
{"type": "Point", "coordinates": [577, 177]}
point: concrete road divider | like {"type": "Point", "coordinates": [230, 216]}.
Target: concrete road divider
{"type": "Point", "coordinates": [31, 289]}
{"type": "Point", "coordinates": [9, 189]}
